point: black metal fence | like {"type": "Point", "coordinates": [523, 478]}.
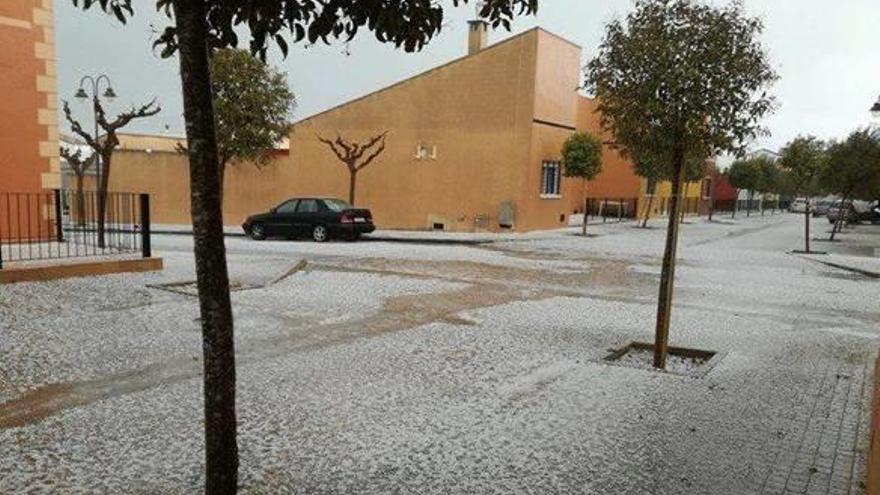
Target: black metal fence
{"type": "Point", "coordinates": [62, 224]}
{"type": "Point", "coordinates": [612, 209]}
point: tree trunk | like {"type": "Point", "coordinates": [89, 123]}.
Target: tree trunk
{"type": "Point", "coordinates": [221, 173]}
{"type": "Point", "coordinates": [807, 229]}
{"type": "Point", "coordinates": [841, 215]}
{"type": "Point", "coordinates": [749, 204]}
{"type": "Point", "coordinates": [80, 201]}
{"type": "Point", "coordinates": [711, 203]}
{"type": "Point", "coordinates": [735, 206]}
{"type": "Point", "coordinates": [103, 185]}
{"type": "Point", "coordinates": [586, 205]}
{"type": "Point", "coordinates": [352, 183]}
{"type": "Point", "coordinates": [667, 274]}
{"type": "Point", "coordinates": [648, 211]}
{"type": "Point", "coordinates": [221, 450]}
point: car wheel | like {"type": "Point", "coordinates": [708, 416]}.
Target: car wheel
{"type": "Point", "coordinates": [319, 233]}
{"type": "Point", "coordinates": [257, 232]}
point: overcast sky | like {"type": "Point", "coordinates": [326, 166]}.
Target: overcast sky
{"type": "Point", "coordinates": [827, 54]}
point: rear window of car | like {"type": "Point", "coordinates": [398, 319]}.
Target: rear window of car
{"type": "Point", "coordinates": [337, 205]}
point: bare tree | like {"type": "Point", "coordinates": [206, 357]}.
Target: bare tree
{"type": "Point", "coordinates": [352, 155]}
{"type": "Point", "coordinates": [80, 165]}
{"type": "Point", "coordinates": [103, 145]}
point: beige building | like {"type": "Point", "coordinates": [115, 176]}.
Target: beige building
{"type": "Point", "coordinates": [472, 145]}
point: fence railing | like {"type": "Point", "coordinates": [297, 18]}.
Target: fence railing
{"type": "Point", "coordinates": [62, 224]}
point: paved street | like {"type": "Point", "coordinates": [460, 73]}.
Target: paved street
{"type": "Point", "coordinates": [408, 368]}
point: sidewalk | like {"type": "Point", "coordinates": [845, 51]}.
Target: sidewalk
{"type": "Point", "coordinates": [413, 236]}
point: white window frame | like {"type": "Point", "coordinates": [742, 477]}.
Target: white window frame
{"type": "Point", "coordinates": [548, 190]}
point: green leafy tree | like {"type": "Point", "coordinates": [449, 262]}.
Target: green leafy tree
{"type": "Point", "coordinates": [252, 107]}
{"type": "Point", "coordinates": [678, 81]}
{"type": "Point", "coordinates": [195, 28]}
{"type": "Point", "coordinates": [582, 157]}
{"type": "Point", "coordinates": [769, 183]}
{"type": "Point", "coordinates": [853, 169]}
{"type": "Point", "coordinates": [803, 162]}
{"type": "Point", "coordinates": [748, 175]}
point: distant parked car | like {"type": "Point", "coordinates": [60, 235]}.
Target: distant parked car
{"type": "Point", "coordinates": [318, 218]}
{"type": "Point", "coordinates": [799, 205]}
{"type": "Point", "coordinates": [855, 212]}
{"type": "Point", "coordinates": [820, 208]}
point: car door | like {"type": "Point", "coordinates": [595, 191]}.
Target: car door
{"type": "Point", "coordinates": [306, 217]}
{"type": "Point", "coordinates": [282, 219]}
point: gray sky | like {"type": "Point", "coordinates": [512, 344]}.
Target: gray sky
{"type": "Point", "coordinates": [827, 54]}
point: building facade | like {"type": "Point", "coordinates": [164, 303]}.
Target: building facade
{"type": "Point", "coordinates": [28, 115]}
{"type": "Point", "coordinates": [472, 145]}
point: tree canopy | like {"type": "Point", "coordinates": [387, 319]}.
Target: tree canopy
{"type": "Point", "coordinates": [853, 169]}
{"type": "Point", "coordinates": [680, 78]}
{"type": "Point", "coordinates": [747, 175]}
{"type": "Point", "coordinates": [252, 106]}
{"type": "Point", "coordinates": [582, 156]}
{"type": "Point", "coordinates": [803, 161]}
{"type": "Point", "coordinates": [407, 24]}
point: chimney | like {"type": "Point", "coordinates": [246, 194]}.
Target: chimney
{"type": "Point", "coordinates": [478, 35]}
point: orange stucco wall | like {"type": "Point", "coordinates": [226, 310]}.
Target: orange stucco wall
{"type": "Point", "coordinates": [28, 128]}
{"type": "Point", "coordinates": [487, 121]}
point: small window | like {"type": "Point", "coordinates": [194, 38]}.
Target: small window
{"type": "Point", "coordinates": [550, 179]}
{"type": "Point", "coordinates": [307, 206]}
{"type": "Point", "coordinates": [287, 207]}
{"type": "Point", "coordinates": [651, 187]}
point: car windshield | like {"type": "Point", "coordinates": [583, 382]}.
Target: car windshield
{"type": "Point", "coordinates": [337, 204]}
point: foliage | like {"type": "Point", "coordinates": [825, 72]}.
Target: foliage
{"type": "Point", "coordinates": [252, 105]}
{"type": "Point", "coordinates": [582, 156]}
{"type": "Point", "coordinates": [853, 169]}
{"type": "Point", "coordinates": [758, 174]}
{"type": "Point", "coordinates": [770, 175]}
{"type": "Point", "coordinates": [679, 79]}
{"type": "Point", "coordinates": [407, 24]}
{"type": "Point", "coordinates": [678, 82]}
{"type": "Point", "coordinates": [803, 162]}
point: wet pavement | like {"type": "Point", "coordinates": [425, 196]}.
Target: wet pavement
{"type": "Point", "coordinates": [381, 367]}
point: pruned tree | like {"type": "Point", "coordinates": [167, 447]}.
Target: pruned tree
{"type": "Point", "coordinates": [852, 171]}
{"type": "Point", "coordinates": [803, 161]}
{"type": "Point", "coordinates": [198, 26]}
{"type": "Point", "coordinates": [252, 107]}
{"type": "Point", "coordinates": [582, 157]}
{"type": "Point", "coordinates": [104, 145]}
{"type": "Point", "coordinates": [355, 156]}
{"type": "Point", "coordinates": [680, 81]}
{"type": "Point", "coordinates": [80, 165]}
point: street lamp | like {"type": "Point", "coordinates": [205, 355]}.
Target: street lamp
{"type": "Point", "coordinates": [89, 87]}
{"type": "Point", "coordinates": [875, 110]}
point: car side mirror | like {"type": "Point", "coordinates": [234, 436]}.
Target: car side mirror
{"type": "Point", "coordinates": [274, 210]}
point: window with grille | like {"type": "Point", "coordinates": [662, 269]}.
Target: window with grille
{"type": "Point", "coordinates": [550, 179]}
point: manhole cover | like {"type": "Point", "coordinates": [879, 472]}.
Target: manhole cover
{"type": "Point", "coordinates": [190, 287]}
{"type": "Point", "coordinates": [694, 363]}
